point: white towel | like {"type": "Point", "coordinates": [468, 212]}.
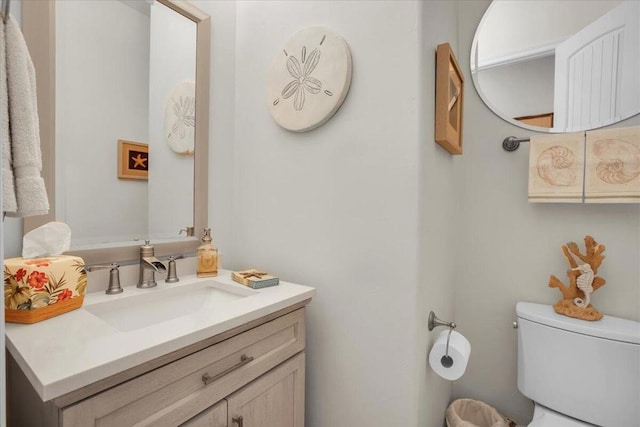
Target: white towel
{"type": "Point", "coordinates": [8, 190]}
{"type": "Point", "coordinates": [26, 157]}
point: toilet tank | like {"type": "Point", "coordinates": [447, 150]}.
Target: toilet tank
{"type": "Point", "coordinates": [586, 370]}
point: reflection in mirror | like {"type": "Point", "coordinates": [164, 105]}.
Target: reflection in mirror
{"type": "Point", "coordinates": [117, 62]}
{"type": "Point", "coordinates": [135, 88]}
{"type": "Point", "coordinates": [559, 66]}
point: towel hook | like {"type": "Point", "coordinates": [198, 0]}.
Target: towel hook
{"type": "Point", "coordinates": [511, 143]}
{"type": "Point", "coordinates": [435, 322]}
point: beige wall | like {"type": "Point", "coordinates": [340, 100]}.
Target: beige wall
{"type": "Point", "coordinates": [509, 246]}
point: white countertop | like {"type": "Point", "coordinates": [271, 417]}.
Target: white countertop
{"type": "Point", "coordinates": [75, 349]}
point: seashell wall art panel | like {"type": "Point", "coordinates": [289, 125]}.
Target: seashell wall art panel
{"type": "Point", "coordinates": [556, 168]}
{"type": "Point", "coordinates": [612, 173]}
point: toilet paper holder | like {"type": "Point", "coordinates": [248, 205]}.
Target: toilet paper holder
{"type": "Point", "coordinates": [446, 360]}
{"type": "Point", "coordinates": [435, 322]}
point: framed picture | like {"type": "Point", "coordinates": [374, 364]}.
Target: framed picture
{"type": "Point", "coordinates": [449, 100]}
{"type": "Point", "coordinates": [133, 160]}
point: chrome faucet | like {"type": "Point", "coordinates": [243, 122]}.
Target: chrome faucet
{"type": "Point", "coordinates": [149, 264]}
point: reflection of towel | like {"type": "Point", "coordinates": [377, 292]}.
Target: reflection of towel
{"type": "Point", "coordinates": [613, 165]}
{"type": "Point", "coordinates": [24, 127]}
{"type": "Point", "coordinates": [8, 190]}
{"type": "Point", "coordinates": [556, 168]}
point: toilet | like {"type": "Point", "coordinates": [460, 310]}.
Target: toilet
{"type": "Point", "coordinates": [578, 373]}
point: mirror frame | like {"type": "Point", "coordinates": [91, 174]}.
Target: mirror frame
{"type": "Point", "coordinates": [39, 32]}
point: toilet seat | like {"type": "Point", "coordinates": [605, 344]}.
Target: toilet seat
{"type": "Point", "coordinates": [545, 417]}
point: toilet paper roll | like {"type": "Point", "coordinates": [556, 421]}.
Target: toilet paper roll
{"type": "Point", "coordinates": [459, 351]}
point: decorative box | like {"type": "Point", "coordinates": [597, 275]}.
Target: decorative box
{"type": "Point", "coordinates": [40, 288]}
{"type": "Point", "coordinates": [254, 279]}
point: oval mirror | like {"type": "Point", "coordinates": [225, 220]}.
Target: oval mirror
{"type": "Point", "coordinates": [559, 66]}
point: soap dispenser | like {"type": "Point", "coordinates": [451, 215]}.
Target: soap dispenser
{"type": "Point", "coordinates": [207, 256]}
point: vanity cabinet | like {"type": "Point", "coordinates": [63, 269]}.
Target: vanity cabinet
{"type": "Point", "coordinates": [253, 378]}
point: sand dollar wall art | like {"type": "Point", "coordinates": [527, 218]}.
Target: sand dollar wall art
{"type": "Point", "coordinates": [309, 79]}
{"type": "Point", "coordinates": [180, 118]}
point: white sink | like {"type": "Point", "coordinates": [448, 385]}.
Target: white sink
{"type": "Point", "coordinates": [152, 306]}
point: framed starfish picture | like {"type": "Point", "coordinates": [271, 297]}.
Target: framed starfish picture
{"type": "Point", "coordinates": [133, 160]}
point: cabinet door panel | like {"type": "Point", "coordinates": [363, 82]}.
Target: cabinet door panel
{"type": "Point", "coordinates": [276, 399]}
{"type": "Point", "coordinates": [216, 416]}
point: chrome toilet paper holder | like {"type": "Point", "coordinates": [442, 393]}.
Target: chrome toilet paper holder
{"type": "Point", "coordinates": [435, 322]}
{"type": "Point", "coordinates": [446, 360]}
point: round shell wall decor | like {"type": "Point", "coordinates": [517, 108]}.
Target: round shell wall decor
{"type": "Point", "coordinates": [309, 79]}
{"type": "Point", "coordinates": [180, 118]}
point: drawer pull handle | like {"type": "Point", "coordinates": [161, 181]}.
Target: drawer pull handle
{"type": "Point", "coordinates": [238, 420]}
{"type": "Point", "coordinates": [244, 359]}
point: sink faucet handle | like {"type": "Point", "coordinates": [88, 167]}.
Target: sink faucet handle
{"type": "Point", "coordinates": [100, 267]}
{"type": "Point", "coordinates": [172, 276]}
{"type": "Point", "coordinates": [114, 276]}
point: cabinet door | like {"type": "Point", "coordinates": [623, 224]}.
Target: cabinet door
{"type": "Point", "coordinates": [276, 399]}
{"type": "Point", "coordinates": [216, 416]}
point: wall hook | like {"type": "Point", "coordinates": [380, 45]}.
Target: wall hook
{"type": "Point", "coordinates": [511, 143]}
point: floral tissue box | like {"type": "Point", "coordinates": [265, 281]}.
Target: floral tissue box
{"type": "Point", "coordinates": [40, 288]}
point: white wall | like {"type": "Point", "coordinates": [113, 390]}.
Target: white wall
{"type": "Point", "coordinates": [102, 95]}
{"type": "Point", "coordinates": [439, 186]}
{"type": "Point", "coordinates": [338, 208]}
{"type": "Point", "coordinates": [172, 60]}
{"type": "Point", "coordinates": [509, 247]}
{"type": "Point", "coordinates": [520, 89]}
{"type": "Point", "coordinates": [512, 26]}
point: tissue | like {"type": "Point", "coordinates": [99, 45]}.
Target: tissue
{"type": "Point", "coordinates": [50, 239]}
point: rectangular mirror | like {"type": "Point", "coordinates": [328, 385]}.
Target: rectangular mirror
{"type": "Point", "coordinates": [123, 94]}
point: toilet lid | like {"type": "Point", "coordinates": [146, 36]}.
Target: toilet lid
{"type": "Point", "coordinates": [545, 417]}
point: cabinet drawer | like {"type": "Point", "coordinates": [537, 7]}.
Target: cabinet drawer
{"type": "Point", "coordinates": [176, 392]}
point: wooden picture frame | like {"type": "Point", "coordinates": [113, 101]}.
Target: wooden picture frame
{"type": "Point", "coordinates": [133, 160]}
{"type": "Point", "coordinates": [449, 100]}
